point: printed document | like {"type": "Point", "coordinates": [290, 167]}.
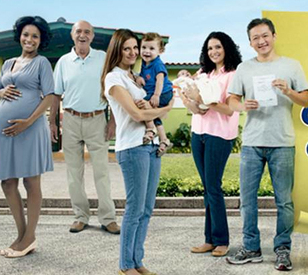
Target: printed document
{"type": "Point", "coordinates": [264, 91]}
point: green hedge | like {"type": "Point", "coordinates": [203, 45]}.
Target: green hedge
{"type": "Point", "coordinates": [192, 187]}
{"type": "Point", "coordinates": [182, 137]}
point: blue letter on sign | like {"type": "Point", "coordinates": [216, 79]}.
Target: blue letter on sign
{"type": "Point", "coordinates": [304, 116]}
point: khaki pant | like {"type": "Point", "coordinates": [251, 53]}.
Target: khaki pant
{"type": "Point", "coordinates": [78, 132]}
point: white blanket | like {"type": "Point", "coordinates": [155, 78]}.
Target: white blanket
{"type": "Point", "coordinates": [209, 89]}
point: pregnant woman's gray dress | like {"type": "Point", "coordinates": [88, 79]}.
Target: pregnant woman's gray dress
{"type": "Point", "coordinates": [29, 153]}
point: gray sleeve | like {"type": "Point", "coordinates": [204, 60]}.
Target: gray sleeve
{"type": "Point", "coordinates": [1, 85]}
{"type": "Point", "coordinates": [46, 78]}
{"type": "Point", "coordinates": [236, 86]}
{"type": "Point", "coordinates": [299, 81]}
{"type": "Point", "coordinates": [2, 72]}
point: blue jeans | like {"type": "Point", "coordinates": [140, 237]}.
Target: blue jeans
{"type": "Point", "coordinates": [280, 162]}
{"type": "Point", "coordinates": [141, 170]}
{"type": "Point", "coordinates": [210, 155]}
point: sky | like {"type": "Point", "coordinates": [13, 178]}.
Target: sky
{"type": "Point", "coordinates": [186, 22]}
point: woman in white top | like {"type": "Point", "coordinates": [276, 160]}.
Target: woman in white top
{"type": "Point", "coordinates": [139, 163]}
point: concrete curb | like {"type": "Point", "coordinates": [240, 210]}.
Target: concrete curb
{"type": "Point", "coordinates": [156, 212]}
{"type": "Point", "coordinates": [164, 206]}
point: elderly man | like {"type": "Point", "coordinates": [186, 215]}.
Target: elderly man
{"type": "Point", "coordinates": [77, 77]}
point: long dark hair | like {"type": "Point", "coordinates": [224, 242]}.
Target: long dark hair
{"type": "Point", "coordinates": [36, 21]}
{"type": "Point", "coordinates": [114, 53]}
{"type": "Point", "coordinates": [232, 54]}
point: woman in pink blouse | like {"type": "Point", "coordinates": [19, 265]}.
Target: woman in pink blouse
{"type": "Point", "coordinates": [213, 133]}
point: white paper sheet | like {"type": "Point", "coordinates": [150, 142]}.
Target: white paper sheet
{"type": "Point", "coordinates": [264, 91]}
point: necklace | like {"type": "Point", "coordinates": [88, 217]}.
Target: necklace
{"type": "Point", "coordinates": [133, 76]}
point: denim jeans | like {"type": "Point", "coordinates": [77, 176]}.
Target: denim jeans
{"type": "Point", "coordinates": [141, 170]}
{"type": "Point", "coordinates": [280, 162]}
{"type": "Point", "coordinates": [210, 155]}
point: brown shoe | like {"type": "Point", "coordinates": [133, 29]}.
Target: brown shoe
{"type": "Point", "coordinates": [131, 271]}
{"type": "Point", "coordinates": [143, 271]}
{"type": "Point", "coordinates": [112, 228]}
{"type": "Point", "coordinates": [220, 251]}
{"type": "Point", "coordinates": [77, 227]}
{"type": "Point", "coordinates": [206, 247]}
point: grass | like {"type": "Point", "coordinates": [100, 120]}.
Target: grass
{"type": "Point", "coordinates": [183, 166]}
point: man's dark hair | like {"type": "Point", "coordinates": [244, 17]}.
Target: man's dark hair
{"type": "Point", "coordinates": [259, 21]}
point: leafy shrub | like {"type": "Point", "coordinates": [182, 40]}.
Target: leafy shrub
{"type": "Point", "coordinates": [231, 188]}
{"type": "Point", "coordinates": [180, 139]}
{"type": "Point", "coordinates": [266, 188]}
{"type": "Point", "coordinates": [238, 141]}
{"type": "Point", "coordinates": [192, 187]}
{"type": "Point", "coordinates": [169, 187]}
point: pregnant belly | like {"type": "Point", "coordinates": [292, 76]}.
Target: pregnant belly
{"type": "Point", "coordinates": [21, 108]}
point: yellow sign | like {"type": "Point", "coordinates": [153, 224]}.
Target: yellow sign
{"type": "Point", "coordinates": [292, 41]}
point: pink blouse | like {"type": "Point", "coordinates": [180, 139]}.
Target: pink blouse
{"type": "Point", "coordinates": [212, 122]}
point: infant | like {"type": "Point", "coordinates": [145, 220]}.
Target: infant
{"type": "Point", "coordinates": [208, 89]}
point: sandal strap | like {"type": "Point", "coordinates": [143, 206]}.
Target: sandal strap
{"type": "Point", "coordinates": [165, 142]}
{"type": "Point", "coordinates": [153, 130]}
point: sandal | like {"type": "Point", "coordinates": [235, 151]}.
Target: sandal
{"type": "Point", "coordinates": [163, 149]}
{"type": "Point", "coordinates": [150, 134]}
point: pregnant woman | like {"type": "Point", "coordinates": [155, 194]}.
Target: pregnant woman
{"type": "Point", "coordinates": [26, 88]}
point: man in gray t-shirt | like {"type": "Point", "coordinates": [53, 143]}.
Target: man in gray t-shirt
{"type": "Point", "coordinates": [270, 84]}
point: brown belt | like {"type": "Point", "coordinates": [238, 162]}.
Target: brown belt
{"type": "Point", "coordinates": [84, 115]}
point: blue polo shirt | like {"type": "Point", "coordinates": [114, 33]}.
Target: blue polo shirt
{"type": "Point", "coordinates": [149, 73]}
{"type": "Point", "coordinates": [79, 81]}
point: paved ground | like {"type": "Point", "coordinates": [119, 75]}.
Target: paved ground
{"type": "Point", "coordinates": [167, 249]}
{"type": "Point", "coordinates": [167, 245]}
{"type": "Point", "coordinates": [54, 184]}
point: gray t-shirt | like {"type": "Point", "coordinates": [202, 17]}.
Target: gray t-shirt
{"type": "Point", "coordinates": [269, 126]}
